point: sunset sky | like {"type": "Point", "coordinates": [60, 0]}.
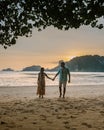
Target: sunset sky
{"type": "Point", "coordinates": [47, 47]}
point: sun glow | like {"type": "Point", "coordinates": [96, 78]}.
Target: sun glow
{"type": "Point", "coordinates": [71, 57]}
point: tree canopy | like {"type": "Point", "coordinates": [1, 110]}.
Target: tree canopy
{"type": "Point", "coordinates": [19, 17]}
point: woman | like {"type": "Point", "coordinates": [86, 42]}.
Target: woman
{"type": "Point", "coordinates": [41, 83]}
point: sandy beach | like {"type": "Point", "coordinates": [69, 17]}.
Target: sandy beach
{"type": "Point", "coordinates": [82, 109]}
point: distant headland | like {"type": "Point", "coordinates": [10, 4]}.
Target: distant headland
{"type": "Point", "coordinates": [87, 63]}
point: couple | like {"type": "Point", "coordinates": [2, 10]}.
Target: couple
{"type": "Point", "coordinates": [63, 73]}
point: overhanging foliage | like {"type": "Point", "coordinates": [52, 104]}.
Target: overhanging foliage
{"type": "Point", "coordinates": [19, 17]}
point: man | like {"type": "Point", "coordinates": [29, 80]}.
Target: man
{"type": "Point", "coordinates": [63, 74]}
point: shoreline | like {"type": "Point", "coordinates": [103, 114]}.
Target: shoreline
{"type": "Point", "coordinates": [29, 92]}
{"type": "Point", "coordinates": [68, 85]}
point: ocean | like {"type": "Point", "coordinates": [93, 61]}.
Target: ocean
{"type": "Point", "coordinates": [8, 79]}
{"type": "Point", "coordinates": [23, 85]}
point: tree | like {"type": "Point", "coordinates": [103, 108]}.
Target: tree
{"type": "Point", "coordinates": [19, 17]}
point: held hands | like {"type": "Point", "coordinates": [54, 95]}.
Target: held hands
{"type": "Point", "coordinates": [68, 81]}
{"type": "Point", "coordinates": [53, 79]}
{"type": "Point", "coordinates": [50, 78]}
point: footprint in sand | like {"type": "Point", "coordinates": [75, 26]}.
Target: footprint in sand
{"type": "Point", "coordinates": [66, 122]}
{"type": "Point", "coordinates": [43, 117]}
{"type": "Point", "coordinates": [3, 122]}
{"type": "Point", "coordinates": [86, 124]}
{"type": "Point", "coordinates": [83, 111]}
{"type": "Point", "coordinates": [102, 113]}
{"type": "Point", "coordinates": [25, 118]}
{"type": "Point", "coordinates": [34, 122]}
{"type": "Point", "coordinates": [64, 114]}
{"type": "Point", "coordinates": [73, 117]}
{"type": "Point", "coordinates": [67, 127]}
{"type": "Point", "coordinates": [59, 117]}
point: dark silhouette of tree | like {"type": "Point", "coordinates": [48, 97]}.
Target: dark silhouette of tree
{"type": "Point", "coordinates": [19, 17]}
